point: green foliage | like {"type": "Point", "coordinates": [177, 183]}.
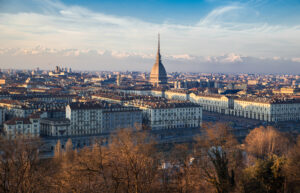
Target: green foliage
{"type": "Point", "coordinates": [265, 176]}
{"type": "Point", "coordinates": [223, 181]}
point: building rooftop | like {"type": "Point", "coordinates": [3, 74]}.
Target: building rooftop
{"type": "Point", "coordinates": [161, 103]}
{"type": "Point", "coordinates": [270, 100]}
{"type": "Point", "coordinates": [15, 120]}
{"type": "Point", "coordinates": [101, 105]}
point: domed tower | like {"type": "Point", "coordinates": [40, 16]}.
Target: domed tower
{"type": "Point", "coordinates": [158, 76]}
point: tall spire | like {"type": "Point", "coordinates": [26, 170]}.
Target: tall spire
{"type": "Point", "coordinates": [158, 75]}
{"type": "Point", "coordinates": [158, 58]}
{"type": "Point", "coordinates": [158, 43]}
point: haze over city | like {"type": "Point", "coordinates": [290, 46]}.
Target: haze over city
{"type": "Point", "coordinates": [202, 36]}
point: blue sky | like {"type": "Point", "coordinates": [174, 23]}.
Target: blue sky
{"type": "Point", "coordinates": [190, 11]}
{"type": "Point", "coordinates": [209, 35]}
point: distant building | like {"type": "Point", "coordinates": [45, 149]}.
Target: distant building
{"type": "Point", "coordinates": [58, 72]}
{"type": "Point", "coordinates": [253, 82]}
{"type": "Point", "coordinates": [2, 81]}
{"type": "Point", "coordinates": [289, 90]}
{"type": "Point", "coordinates": [158, 76]}
{"type": "Point", "coordinates": [118, 80]}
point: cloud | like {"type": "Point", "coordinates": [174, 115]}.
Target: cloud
{"type": "Point", "coordinates": [226, 58]}
{"type": "Point", "coordinates": [183, 56]}
{"type": "Point", "coordinates": [217, 14]}
{"type": "Point", "coordinates": [100, 60]}
{"type": "Point", "coordinates": [296, 59]}
{"type": "Point", "coordinates": [78, 34]}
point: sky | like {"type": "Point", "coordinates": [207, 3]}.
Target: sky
{"type": "Point", "coordinates": [196, 36]}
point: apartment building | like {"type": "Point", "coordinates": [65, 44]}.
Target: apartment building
{"type": "Point", "coordinates": [101, 117]}
{"type": "Point", "coordinates": [160, 113]}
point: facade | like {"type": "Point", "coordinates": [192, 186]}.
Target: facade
{"type": "Point", "coordinates": [97, 118]}
{"type": "Point", "coordinates": [158, 112]}
{"type": "Point", "coordinates": [258, 108]}
{"type": "Point", "coordinates": [263, 109]}
{"type": "Point", "coordinates": [267, 110]}
{"type": "Point", "coordinates": [53, 127]}
{"type": "Point", "coordinates": [290, 91]}
{"type": "Point", "coordinates": [86, 119]}
{"type": "Point", "coordinates": [165, 114]}
{"type": "Point", "coordinates": [213, 103]}
{"type": "Point", "coordinates": [22, 126]}
{"type": "Point", "coordinates": [122, 117]}
{"type": "Point", "coordinates": [173, 95]}
{"type": "Point", "coordinates": [158, 75]}
{"type": "Point", "coordinates": [14, 108]}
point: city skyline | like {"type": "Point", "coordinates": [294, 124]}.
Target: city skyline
{"type": "Point", "coordinates": [205, 36]}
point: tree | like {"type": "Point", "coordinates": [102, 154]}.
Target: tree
{"type": "Point", "coordinates": [68, 151]}
{"type": "Point", "coordinates": [223, 178]}
{"type": "Point", "coordinates": [58, 150]}
{"type": "Point", "coordinates": [180, 174]}
{"type": "Point", "coordinates": [292, 168]}
{"type": "Point", "coordinates": [127, 164]}
{"type": "Point", "coordinates": [263, 142]}
{"type": "Point", "coordinates": [267, 175]}
{"type": "Point", "coordinates": [21, 170]}
{"type": "Point", "coordinates": [219, 157]}
{"type": "Point", "coordinates": [133, 161]}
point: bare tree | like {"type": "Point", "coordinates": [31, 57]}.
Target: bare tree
{"type": "Point", "coordinates": [127, 164]}
{"type": "Point", "coordinates": [21, 170]}
{"type": "Point", "coordinates": [219, 157]}
{"type": "Point", "coordinates": [292, 168]}
{"type": "Point", "coordinates": [58, 150]}
{"type": "Point", "coordinates": [133, 161]}
{"type": "Point", "coordinates": [181, 172]}
{"type": "Point", "coordinates": [265, 141]}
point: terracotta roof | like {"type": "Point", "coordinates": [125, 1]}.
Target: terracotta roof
{"type": "Point", "coordinates": [15, 120]}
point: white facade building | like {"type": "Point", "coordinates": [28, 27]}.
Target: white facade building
{"type": "Point", "coordinates": [267, 109]}
{"type": "Point", "coordinates": [173, 95]}
{"type": "Point", "coordinates": [166, 114]}
{"type": "Point", "coordinates": [259, 108]}
{"type": "Point", "coordinates": [263, 109]}
{"type": "Point", "coordinates": [22, 126]}
{"type": "Point", "coordinates": [213, 103]}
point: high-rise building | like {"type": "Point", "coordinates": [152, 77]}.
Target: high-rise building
{"type": "Point", "coordinates": [158, 76]}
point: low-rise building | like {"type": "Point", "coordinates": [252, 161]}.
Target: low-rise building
{"type": "Point", "coordinates": [55, 127]}
{"type": "Point", "coordinates": [22, 126]}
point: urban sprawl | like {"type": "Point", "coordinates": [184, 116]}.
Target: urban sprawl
{"type": "Point", "coordinates": [62, 104]}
